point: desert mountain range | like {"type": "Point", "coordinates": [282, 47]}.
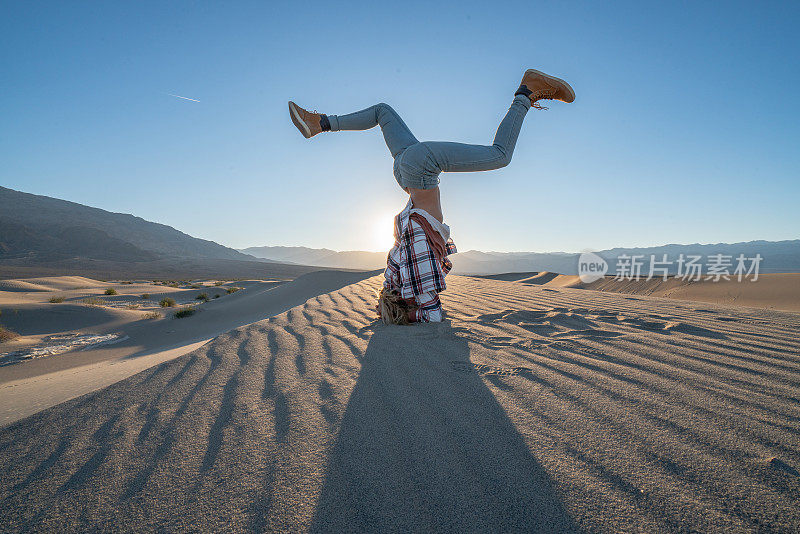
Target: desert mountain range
{"type": "Point", "coordinates": [40, 235]}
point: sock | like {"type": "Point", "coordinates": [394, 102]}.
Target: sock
{"type": "Point", "coordinates": [523, 90]}
{"type": "Point", "coordinates": [324, 123]}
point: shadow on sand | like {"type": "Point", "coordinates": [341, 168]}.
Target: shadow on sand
{"type": "Point", "coordinates": [425, 448]}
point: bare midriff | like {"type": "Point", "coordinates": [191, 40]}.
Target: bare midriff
{"type": "Point", "coordinates": [428, 200]}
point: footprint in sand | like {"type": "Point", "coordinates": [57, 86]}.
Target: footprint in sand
{"type": "Point", "coordinates": [552, 322]}
{"type": "Point", "coordinates": [584, 323]}
{"type": "Point", "coordinates": [483, 369]}
{"type": "Point", "coordinates": [590, 334]}
{"type": "Point", "coordinates": [661, 325]}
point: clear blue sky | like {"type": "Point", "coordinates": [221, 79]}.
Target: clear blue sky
{"type": "Point", "coordinates": [685, 128]}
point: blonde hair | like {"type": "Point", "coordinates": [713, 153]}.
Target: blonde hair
{"type": "Point", "coordinates": [393, 308]}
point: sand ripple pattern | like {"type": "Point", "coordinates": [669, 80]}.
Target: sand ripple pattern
{"type": "Point", "coordinates": [530, 409]}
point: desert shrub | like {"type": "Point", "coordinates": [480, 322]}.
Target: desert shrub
{"type": "Point", "coordinates": [233, 289]}
{"type": "Point", "coordinates": [195, 286]}
{"type": "Point", "coordinates": [145, 296]}
{"type": "Point", "coordinates": [184, 312]}
{"type": "Point", "coordinates": [132, 306]}
{"type": "Point", "coordinates": [167, 302]}
{"type": "Point", "coordinates": [218, 283]}
{"type": "Point", "coordinates": [93, 301]}
{"type": "Point", "coordinates": [111, 291]}
{"type": "Point", "coordinates": [216, 296]}
{"type": "Point", "coordinates": [56, 300]}
{"type": "Point", "coordinates": [152, 315]}
{"type": "Point", "coordinates": [6, 334]}
{"type": "Point", "coordinates": [202, 296]}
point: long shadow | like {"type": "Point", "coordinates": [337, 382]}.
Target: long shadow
{"type": "Point", "coordinates": [423, 447]}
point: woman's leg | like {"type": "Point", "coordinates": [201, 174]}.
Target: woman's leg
{"type": "Point", "coordinates": [460, 157]}
{"type": "Point", "coordinates": [395, 132]}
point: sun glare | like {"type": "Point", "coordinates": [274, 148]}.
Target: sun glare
{"type": "Point", "coordinates": [383, 233]}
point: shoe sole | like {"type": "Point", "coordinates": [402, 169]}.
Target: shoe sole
{"type": "Point", "coordinates": [299, 122]}
{"type": "Point", "coordinates": [547, 76]}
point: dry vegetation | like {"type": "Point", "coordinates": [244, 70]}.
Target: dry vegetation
{"type": "Point", "coordinates": [184, 312]}
{"type": "Point", "coordinates": [6, 334]}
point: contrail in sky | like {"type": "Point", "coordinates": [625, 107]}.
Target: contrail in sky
{"type": "Point", "coordinates": [183, 97]}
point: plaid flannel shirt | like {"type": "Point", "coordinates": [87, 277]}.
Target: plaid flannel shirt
{"type": "Point", "coordinates": [413, 270]}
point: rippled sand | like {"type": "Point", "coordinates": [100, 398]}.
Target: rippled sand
{"type": "Point", "coordinates": [532, 408]}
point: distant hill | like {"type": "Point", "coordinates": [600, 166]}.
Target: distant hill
{"type": "Point", "coordinates": [35, 224]}
{"type": "Point", "coordinates": [778, 257]}
{"type": "Point", "coordinates": [42, 236]}
{"type": "Point", "coordinates": [57, 242]}
{"type": "Point", "coordinates": [322, 257]}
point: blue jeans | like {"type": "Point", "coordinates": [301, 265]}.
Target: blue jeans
{"type": "Point", "coordinates": [418, 165]}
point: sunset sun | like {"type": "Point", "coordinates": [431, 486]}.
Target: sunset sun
{"type": "Point", "coordinates": [383, 233]}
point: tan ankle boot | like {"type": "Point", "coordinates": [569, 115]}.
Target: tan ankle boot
{"type": "Point", "coordinates": [307, 122]}
{"type": "Point", "coordinates": [540, 86]}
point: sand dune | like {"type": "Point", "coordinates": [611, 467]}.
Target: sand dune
{"type": "Point", "coordinates": [773, 291]}
{"type": "Point", "coordinates": [84, 308]}
{"type": "Point", "coordinates": [545, 277]}
{"type": "Point", "coordinates": [779, 291]}
{"type": "Point", "coordinates": [28, 387]}
{"type": "Point", "coordinates": [536, 278]}
{"type": "Point", "coordinates": [532, 408]}
{"type": "Point", "coordinates": [509, 277]}
{"type": "Point", "coordinates": [50, 283]}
